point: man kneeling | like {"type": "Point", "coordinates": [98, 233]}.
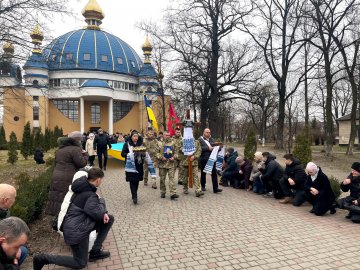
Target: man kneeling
{"type": "Point", "coordinates": [86, 212]}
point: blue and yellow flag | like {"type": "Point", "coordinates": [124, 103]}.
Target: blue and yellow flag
{"type": "Point", "coordinates": [151, 116]}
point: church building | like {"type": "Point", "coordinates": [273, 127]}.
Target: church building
{"type": "Point", "coordinates": [83, 80]}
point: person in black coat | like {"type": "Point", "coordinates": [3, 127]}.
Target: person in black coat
{"type": "Point", "coordinates": [207, 144]}
{"type": "Point", "coordinates": [86, 212]}
{"type": "Point", "coordinates": [318, 191]}
{"type": "Point", "coordinates": [271, 175]}
{"type": "Point", "coordinates": [134, 178]}
{"type": "Point", "coordinates": [352, 202]}
{"type": "Point", "coordinates": [294, 179]}
{"type": "Point", "coordinates": [231, 168]}
{"type": "Point", "coordinates": [39, 156]}
{"type": "Point", "coordinates": [101, 143]}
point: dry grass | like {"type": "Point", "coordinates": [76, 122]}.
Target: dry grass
{"type": "Point", "coordinates": [9, 172]}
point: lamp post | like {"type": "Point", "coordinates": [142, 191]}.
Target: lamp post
{"type": "Point", "coordinates": [161, 89]}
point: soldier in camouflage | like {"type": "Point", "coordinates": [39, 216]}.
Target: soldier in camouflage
{"type": "Point", "coordinates": [177, 138]}
{"type": "Point", "coordinates": [152, 147]}
{"type": "Point", "coordinates": [195, 171]}
{"type": "Point", "coordinates": [166, 163]}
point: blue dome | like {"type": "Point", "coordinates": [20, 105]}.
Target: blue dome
{"type": "Point", "coordinates": [36, 60]}
{"type": "Point", "coordinates": [87, 49]}
{"type": "Point", "coordinates": [147, 71]}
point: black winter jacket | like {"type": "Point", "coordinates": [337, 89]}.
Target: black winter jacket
{"type": "Point", "coordinates": [273, 170]}
{"type": "Point", "coordinates": [205, 151]}
{"type": "Point", "coordinates": [5, 262]}
{"type": "Point", "coordinates": [101, 142]}
{"type": "Point", "coordinates": [354, 188]}
{"type": "Point", "coordinates": [322, 184]}
{"type": "Point", "coordinates": [296, 172]}
{"type": "Point", "coordinates": [84, 212]}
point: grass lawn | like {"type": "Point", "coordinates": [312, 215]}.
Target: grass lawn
{"type": "Point", "coordinates": [9, 172]}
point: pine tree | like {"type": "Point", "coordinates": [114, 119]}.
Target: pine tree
{"type": "Point", "coordinates": [38, 138]}
{"type": "Point", "coordinates": [27, 144]}
{"type": "Point", "coordinates": [47, 140]}
{"type": "Point", "coordinates": [2, 136]}
{"type": "Point", "coordinates": [61, 133]}
{"type": "Point", "coordinates": [302, 147]}
{"type": "Point", "coordinates": [12, 146]}
{"type": "Point", "coordinates": [250, 145]}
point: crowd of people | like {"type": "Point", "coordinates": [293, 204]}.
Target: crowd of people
{"type": "Point", "coordinates": [73, 197]}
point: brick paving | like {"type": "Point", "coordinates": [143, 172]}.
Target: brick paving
{"type": "Point", "coordinates": [232, 230]}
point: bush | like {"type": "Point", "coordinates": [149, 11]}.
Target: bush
{"type": "Point", "coordinates": [31, 195]}
{"type": "Point", "coordinates": [335, 186]}
{"type": "Point", "coordinates": [12, 149]}
{"type": "Point", "coordinates": [250, 145]}
{"type": "Point", "coordinates": [27, 142]}
{"type": "Point", "coordinates": [2, 136]}
{"type": "Point", "coordinates": [4, 147]}
{"type": "Point", "coordinates": [302, 147]}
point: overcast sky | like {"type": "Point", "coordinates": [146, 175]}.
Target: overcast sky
{"type": "Point", "coordinates": [120, 18]}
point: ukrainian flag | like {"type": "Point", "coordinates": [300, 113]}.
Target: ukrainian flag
{"type": "Point", "coordinates": [151, 115]}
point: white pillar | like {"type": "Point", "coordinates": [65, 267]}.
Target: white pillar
{"type": "Point", "coordinates": [111, 117]}
{"type": "Point", "coordinates": [82, 119]}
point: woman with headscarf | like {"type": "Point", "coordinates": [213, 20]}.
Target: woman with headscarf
{"type": "Point", "coordinates": [89, 148]}
{"type": "Point", "coordinates": [318, 191]}
{"type": "Point", "coordinates": [69, 158]}
{"type": "Point", "coordinates": [137, 174]}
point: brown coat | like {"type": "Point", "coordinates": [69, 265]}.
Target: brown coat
{"type": "Point", "coordinates": [69, 158]}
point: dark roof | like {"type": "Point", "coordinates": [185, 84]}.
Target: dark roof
{"type": "Point", "coordinates": [347, 117]}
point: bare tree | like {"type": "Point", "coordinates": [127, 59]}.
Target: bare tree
{"type": "Point", "coordinates": [274, 25]}
{"type": "Point", "coordinates": [18, 18]}
{"type": "Point", "coordinates": [329, 19]}
{"type": "Point", "coordinates": [197, 28]}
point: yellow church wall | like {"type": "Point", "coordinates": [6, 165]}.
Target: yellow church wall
{"type": "Point", "coordinates": [104, 115]}
{"type": "Point", "coordinates": [58, 118]}
{"type": "Point", "coordinates": [14, 105]}
{"type": "Point", "coordinates": [130, 121]}
{"type": "Point", "coordinates": [43, 112]}
{"type": "Point", "coordinates": [29, 104]}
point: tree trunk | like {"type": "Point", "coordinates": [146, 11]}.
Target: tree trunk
{"type": "Point", "coordinates": [329, 127]}
{"type": "Point", "coordinates": [306, 88]}
{"type": "Point", "coordinates": [281, 118]}
{"type": "Point", "coordinates": [351, 144]}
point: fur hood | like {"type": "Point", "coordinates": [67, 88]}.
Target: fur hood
{"type": "Point", "coordinates": [66, 141]}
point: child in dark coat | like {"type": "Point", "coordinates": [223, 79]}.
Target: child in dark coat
{"type": "Point", "coordinates": [39, 156]}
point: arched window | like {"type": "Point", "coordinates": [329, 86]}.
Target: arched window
{"type": "Point", "coordinates": [95, 113]}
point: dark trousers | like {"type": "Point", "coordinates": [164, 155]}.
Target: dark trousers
{"type": "Point", "coordinates": [100, 153]}
{"type": "Point", "coordinates": [213, 176]}
{"type": "Point", "coordinates": [319, 202]}
{"type": "Point", "coordinates": [286, 188]}
{"type": "Point", "coordinates": [274, 186]}
{"type": "Point", "coordinates": [91, 160]}
{"type": "Point", "coordinates": [80, 252]}
{"type": "Point", "coordinates": [134, 185]}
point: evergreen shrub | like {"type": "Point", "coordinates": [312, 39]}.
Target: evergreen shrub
{"type": "Point", "coordinates": [31, 195]}
{"type": "Point", "coordinates": [335, 186]}
{"type": "Point", "coordinates": [302, 147]}
{"type": "Point", "coordinates": [12, 148]}
{"type": "Point", "coordinates": [250, 145]}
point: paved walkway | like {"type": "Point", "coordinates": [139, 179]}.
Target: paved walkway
{"type": "Point", "coordinates": [232, 230]}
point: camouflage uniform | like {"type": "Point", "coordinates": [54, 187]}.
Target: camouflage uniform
{"type": "Point", "coordinates": [166, 167]}
{"type": "Point", "coordinates": [181, 170]}
{"type": "Point", "coordinates": [195, 171]}
{"type": "Point", "coordinates": [152, 147]}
